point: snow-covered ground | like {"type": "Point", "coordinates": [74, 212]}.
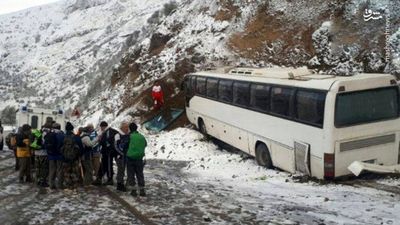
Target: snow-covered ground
{"type": "Point", "coordinates": [192, 180]}
{"type": "Point", "coordinates": [227, 187]}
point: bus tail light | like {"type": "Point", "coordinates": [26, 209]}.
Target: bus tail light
{"type": "Point", "coordinates": [329, 166]}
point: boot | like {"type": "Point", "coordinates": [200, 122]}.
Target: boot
{"type": "Point", "coordinates": [134, 193]}
{"type": "Point", "coordinates": [97, 182]}
{"type": "Point", "coordinates": [109, 182]}
{"type": "Point", "coordinates": [142, 192]}
{"type": "Point", "coordinates": [121, 187]}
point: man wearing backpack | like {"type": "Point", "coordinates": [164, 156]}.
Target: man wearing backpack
{"type": "Point", "coordinates": [108, 153]}
{"type": "Point", "coordinates": [71, 150]}
{"type": "Point", "coordinates": [53, 140]}
{"type": "Point", "coordinates": [135, 164]}
{"type": "Point", "coordinates": [121, 146]}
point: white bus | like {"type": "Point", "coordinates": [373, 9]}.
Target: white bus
{"type": "Point", "coordinates": [37, 117]}
{"type": "Point", "coordinates": [299, 121]}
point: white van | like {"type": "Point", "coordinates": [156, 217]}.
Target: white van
{"type": "Point", "coordinates": [37, 117]}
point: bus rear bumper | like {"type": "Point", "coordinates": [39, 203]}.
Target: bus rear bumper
{"type": "Point", "coordinates": [358, 167]}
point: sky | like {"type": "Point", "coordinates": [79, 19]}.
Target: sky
{"type": "Point", "coordinates": [8, 6]}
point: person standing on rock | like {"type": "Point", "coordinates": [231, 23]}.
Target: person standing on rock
{"type": "Point", "coordinates": [135, 163]}
{"type": "Point", "coordinates": [158, 96]}
{"type": "Point", "coordinates": [108, 153]}
{"type": "Point", "coordinates": [24, 153]}
{"type": "Point", "coordinates": [121, 146]}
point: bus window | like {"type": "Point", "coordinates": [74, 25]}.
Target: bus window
{"type": "Point", "coordinates": [259, 97]}
{"type": "Point", "coordinates": [280, 100]}
{"type": "Point", "coordinates": [34, 122]}
{"type": "Point", "coordinates": [193, 84]}
{"type": "Point", "coordinates": [366, 106]}
{"type": "Point", "coordinates": [225, 90]}
{"type": "Point", "coordinates": [241, 93]}
{"type": "Point", "coordinates": [212, 88]}
{"type": "Point", "coordinates": [186, 84]}
{"type": "Point", "coordinates": [309, 107]}
{"type": "Point", "coordinates": [201, 86]}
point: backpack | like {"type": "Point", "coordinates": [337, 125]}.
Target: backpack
{"type": "Point", "coordinates": [70, 149]}
{"type": "Point", "coordinates": [11, 141]}
{"type": "Point", "coordinates": [124, 142]}
{"type": "Point", "coordinates": [50, 143]}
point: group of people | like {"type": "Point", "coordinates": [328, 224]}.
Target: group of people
{"type": "Point", "coordinates": [69, 159]}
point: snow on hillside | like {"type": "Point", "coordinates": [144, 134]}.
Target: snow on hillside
{"type": "Point", "coordinates": [56, 53]}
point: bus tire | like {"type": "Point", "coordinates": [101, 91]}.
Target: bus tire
{"type": "Point", "coordinates": [263, 156]}
{"type": "Point", "coordinates": [202, 127]}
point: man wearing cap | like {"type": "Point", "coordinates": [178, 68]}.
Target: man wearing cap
{"type": "Point", "coordinates": [71, 149]}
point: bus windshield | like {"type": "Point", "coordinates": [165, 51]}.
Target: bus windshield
{"type": "Point", "coordinates": [366, 106]}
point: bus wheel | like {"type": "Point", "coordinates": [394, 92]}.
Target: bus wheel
{"type": "Point", "coordinates": [263, 157]}
{"type": "Point", "coordinates": [202, 127]}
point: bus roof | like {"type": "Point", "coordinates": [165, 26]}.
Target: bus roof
{"type": "Point", "coordinates": [299, 77]}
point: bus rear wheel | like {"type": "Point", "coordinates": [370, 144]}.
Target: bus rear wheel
{"type": "Point", "coordinates": [263, 157]}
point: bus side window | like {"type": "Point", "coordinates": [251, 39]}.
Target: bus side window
{"type": "Point", "coordinates": [212, 88]}
{"type": "Point", "coordinates": [309, 107]}
{"type": "Point", "coordinates": [241, 93]}
{"type": "Point", "coordinates": [192, 85]}
{"type": "Point", "coordinates": [225, 91]}
{"type": "Point", "coordinates": [259, 97]}
{"type": "Point", "coordinates": [201, 86]}
{"type": "Point", "coordinates": [34, 122]}
{"type": "Point", "coordinates": [280, 100]}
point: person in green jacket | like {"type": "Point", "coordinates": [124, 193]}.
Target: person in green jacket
{"type": "Point", "coordinates": [135, 154]}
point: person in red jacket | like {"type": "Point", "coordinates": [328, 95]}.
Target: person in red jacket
{"type": "Point", "coordinates": [157, 95]}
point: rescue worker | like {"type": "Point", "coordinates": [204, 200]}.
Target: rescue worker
{"type": "Point", "coordinates": [41, 161]}
{"type": "Point", "coordinates": [135, 163]}
{"type": "Point", "coordinates": [24, 153]}
{"type": "Point", "coordinates": [157, 95]}
{"type": "Point", "coordinates": [121, 146]}
{"type": "Point", "coordinates": [71, 150]}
